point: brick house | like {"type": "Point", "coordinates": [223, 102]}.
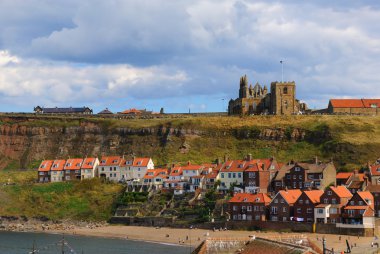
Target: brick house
{"type": "Point", "coordinates": [305, 204]}
{"type": "Point", "coordinates": [246, 206]}
{"type": "Point", "coordinates": [354, 106]}
{"type": "Point", "coordinates": [310, 175]}
{"type": "Point", "coordinates": [72, 169]}
{"type": "Point", "coordinates": [258, 174]}
{"type": "Point", "coordinates": [44, 173]}
{"type": "Point", "coordinates": [360, 209]}
{"type": "Point", "coordinates": [282, 206]}
{"type": "Point", "coordinates": [331, 204]}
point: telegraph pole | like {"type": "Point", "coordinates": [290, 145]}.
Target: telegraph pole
{"type": "Point", "coordinates": [282, 71]}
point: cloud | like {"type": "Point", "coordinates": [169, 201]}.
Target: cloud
{"type": "Point", "coordinates": [142, 51]}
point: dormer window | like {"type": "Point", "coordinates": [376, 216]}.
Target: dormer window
{"type": "Point", "coordinates": [90, 163]}
{"type": "Point", "coordinates": [245, 200]}
{"type": "Point", "coordinates": [329, 193]}
{"type": "Point", "coordinates": [42, 166]}
{"type": "Point", "coordinates": [378, 169]}
{"type": "Point", "coordinates": [139, 163]}
{"type": "Point", "coordinates": [240, 165]}
{"type": "Point", "coordinates": [55, 166]}
{"type": "Point", "coordinates": [103, 161]}
{"type": "Point", "coordinates": [78, 164]}
{"type": "Point", "coordinates": [368, 201]}
{"type": "Point", "coordinates": [114, 161]}
{"type": "Point", "coordinates": [257, 199]}
{"type": "Point", "coordinates": [297, 169]}
{"type": "Point", "coordinates": [68, 164]}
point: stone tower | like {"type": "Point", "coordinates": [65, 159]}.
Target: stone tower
{"type": "Point", "coordinates": [243, 91]}
{"type": "Point", "coordinates": [283, 98]}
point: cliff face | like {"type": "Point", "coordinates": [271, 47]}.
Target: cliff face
{"type": "Point", "coordinates": [25, 141]}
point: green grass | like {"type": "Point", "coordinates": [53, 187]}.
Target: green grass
{"type": "Point", "coordinates": [89, 200]}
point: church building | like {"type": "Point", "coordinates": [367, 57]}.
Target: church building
{"type": "Point", "coordinates": [281, 100]}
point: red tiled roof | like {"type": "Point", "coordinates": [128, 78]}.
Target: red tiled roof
{"type": "Point", "coordinates": [45, 165]}
{"type": "Point", "coordinates": [356, 207]}
{"type": "Point", "coordinates": [110, 161]}
{"type": "Point", "coordinates": [354, 103]}
{"type": "Point", "coordinates": [344, 175]}
{"type": "Point", "coordinates": [58, 165]}
{"type": "Point", "coordinates": [88, 163]}
{"type": "Point", "coordinates": [176, 171]}
{"type": "Point", "coordinates": [290, 196]}
{"type": "Point", "coordinates": [341, 191]}
{"type": "Point", "coordinates": [140, 162]}
{"type": "Point", "coordinates": [366, 195]}
{"type": "Point", "coordinates": [131, 111]}
{"type": "Point", "coordinates": [375, 169]}
{"type": "Point", "coordinates": [73, 164]}
{"type": "Point", "coordinates": [152, 173]}
{"type": "Point", "coordinates": [314, 195]}
{"type": "Point", "coordinates": [250, 198]}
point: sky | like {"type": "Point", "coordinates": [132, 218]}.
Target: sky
{"type": "Point", "coordinates": [183, 54]}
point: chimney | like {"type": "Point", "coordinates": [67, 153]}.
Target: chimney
{"type": "Point", "coordinates": [218, 161]}
{"type": "Point", "coordinates": [249, 157]}
{"type": "Point", "coordinates": [316, 160]}
{"type": "Point", "coordinates": [188, 163]}
{"type": "Point", "coordinates": [356, 172]}
{"type": "Point", "coordinates": [225, 157]}
{"type": "Point", "coordinates": [173, 165]}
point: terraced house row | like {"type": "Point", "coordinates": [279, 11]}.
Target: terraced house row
{"type": "Point", "coordinates": [112, 168]}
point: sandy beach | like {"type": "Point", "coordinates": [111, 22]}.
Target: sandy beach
{"type": "Point", "coordinates": [193, 237]}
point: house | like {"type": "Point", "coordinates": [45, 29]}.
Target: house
{"type": "Point", "coordinates": [354, 106]}
{"type": "Point", "coordinates": [332, 202]}
{"type": "Point", "coordinates": [231, 173]}
{"type": "Point", "coordinates": [72, 169]}
{"type": "Point", "coordinates": [175, 178]}
{"type": "Point", "coordinates": [343, 177]}
{"type": "Point", "coordinates": [155, 177]}
{"type": "Point", "coordinates": [105, 111]}
{"type": "Point", "coordinates": [305, 204]}
{"type": "Point", "coordinates": [131, 111]}
{"type": "Point", "coordinates": [375, 191]}
{"type": "Point", "coordinates": [134, 169]}
{"type": "Point", "coordinates": [258, 174]}
{"type": "Point", "coordinates": [191, 170]}
{"type": "Point", "coordinates": [310, 175]}
{"type": "Point", "coordinates": [196, 182]}
{"type": "Point", "coordinates": [109, 168]}
{"type": "Point", "coordinates": [357, 182]}
{"type": "Point", "coordinates": [359, 211]}
{"type": "Point", "coordinates": [56, 110]}
{"type": "Point", "coordinates": [210, 179]}
{"type": "Point", "coordinates": [57, 172]}
{"type": "Point", "coordinates": [246, 206]}
{"type": "Point", "coordinates": [44, 173]}
{"type": "Point", "coordinates": [374, 173]}
{"type": "Point", "coordinates": [89, 168]}
{"type": "Point", "coordinates": [282, 206]}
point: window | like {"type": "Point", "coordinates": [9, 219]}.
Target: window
{"type": "Point", "coordinates": [234, 175]}
{"type": "Point", "coordinates": [229, 175]}
{"type": "Point", "coordinates": [333, 201]}
{"type": "Point", "coordinates": [222, 175]}
{"type": "Point", "coordinates": [300, 184]}
{"type": "Point", "coordinates": [274, 218]}
{"type": "Point", "coordinates": [326, 201]}
{"type": "Point", "coordinates": [274, 209]}
{"type": "Point", "coordinates": [257, 217]}
{"type": "Point", "coordinates": [239, 175]}
{"type": "Point", "coordinates": [360, 202]}
{"type": "Point", "coordinates": [311, 177]}
{"type": "Point", "coordinates": [285, 90]}
{"type": "Point", "coordinates": [262, 208]}
{"type": "Point", "coordinates": [256, 208]}
{"type": "Point", "coordinates": [333, 220]}
{"type": "Point", "coordinates": [309, 219]}
{"type": "Point", "coordinates": [352, 202]}
{"type": "Point", "coordinates": [276, 200]}
{"type": "Point", "coordinates": [309, 210]}
{"type": "Point", "coordinates": [288, 176]}
{"type": "Point", "coordinates": [249, 208]}
{"type": "Point", "coordinates": [278, 183]}
{"type": "Point", "coordinates": [252, 175]}
{"type": "Point", "coordinates": [333, 210]}
{"type": "Point", "coordinates": [235, 217]}
{"type": "Point", "coordinates": [299, 210]}
{"type": "Point", "coordinates": [282, 201]}
{"type": "Point", "coordinates": [297, 169]}
{"type": "Point", "coordinates": [320, 211]}
{"type": "Point", "coordinates": [41, 173]}
{"type": "Point", "coordinates": [294, 177]}
{"type": "Point", "coordinates": [317, 184]}
{"type": "Point", "coordinates": [307, 201]}
{"type": "Point", "coordinates": [284, 219]}
{"type": "Point", "coordinates": [295, 185]}
{"type": "Point", "coordinates": [351, 212]}
{"type": "Point", "coordinates": [329, 193]}
{"type": "Point", "coordinates": [300, 177]}
{"type": "Point", "coordinates": [234, 208]}
{"type": "Point", "coordinates": [284, 209]}
{"type": "Point", "coordinates": [300, 201]}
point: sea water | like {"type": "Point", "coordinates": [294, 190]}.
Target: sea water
{"type": "Point", "coordinates": [22, 243]}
